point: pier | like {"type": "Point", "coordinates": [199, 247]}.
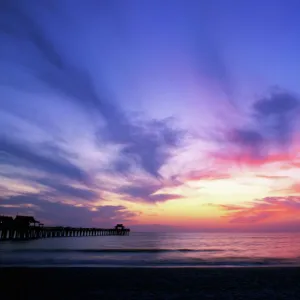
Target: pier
{"type": "Point", "coordinates": [27, 228]}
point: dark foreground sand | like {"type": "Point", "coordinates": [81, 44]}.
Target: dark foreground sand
{"type": "Point", "coordinates": [143, 283]}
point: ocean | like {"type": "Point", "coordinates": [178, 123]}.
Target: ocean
{"type": "Point", "coordinates": [157, 250]}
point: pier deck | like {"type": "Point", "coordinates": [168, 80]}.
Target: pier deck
{"type": "Point", "coordinates": [11, 229]}
{"type": "Point", "coordinates": [50, 232]}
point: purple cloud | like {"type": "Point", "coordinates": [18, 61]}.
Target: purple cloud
{"type": "Point", "coordinates": [277, 116]}
{"type": "Point", "coordinates": [146, 144]}
{"type": "Point", "coordinates": [272, 127]}
{"type": "Point", "coordinates": [144, 193]}
{"type": "Point", "coordinates": [63, 189]}
{"type": "Point", "coordinates": [50, 160]}
{"type": "Point", "coordinates": [59, 213]}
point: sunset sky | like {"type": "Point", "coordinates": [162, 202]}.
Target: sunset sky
{"type": "Point", "coordinates": [162, 114]}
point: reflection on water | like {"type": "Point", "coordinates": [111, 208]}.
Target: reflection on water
{"type": "Point", "coordinates": [155, 249]}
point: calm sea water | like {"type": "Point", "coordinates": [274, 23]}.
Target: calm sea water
{"type": "Point", "coordinates": [157, 249]}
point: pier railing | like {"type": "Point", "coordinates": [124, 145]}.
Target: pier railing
{"type": "Point", "coordinates": [33, 232]}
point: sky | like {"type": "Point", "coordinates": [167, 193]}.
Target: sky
{"type": "Point", "coordinates": [164, 115]}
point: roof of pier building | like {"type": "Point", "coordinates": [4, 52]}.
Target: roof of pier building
{"type": "Point", "coordinates": [26, 219]}
{"type": "Point", "coordinates": [6, 219]}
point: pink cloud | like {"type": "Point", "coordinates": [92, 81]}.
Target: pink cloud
{"type": "Point", "coordinates": [252, 218]}
{"type": "Point", "coordinates": [244, 158]}
{"type": "Point", "coordinates": [272, 176]}
{"type": "Point", "coordinates": [269, 209]}
{"type": "Point", "coordinates": [295, 188]}
{"type": "Point", "coordinates": [206, 175]}
{"type": "Point", "coordinates": [270, 135]}
{"type": "Point", "coordinates": [232, 207]}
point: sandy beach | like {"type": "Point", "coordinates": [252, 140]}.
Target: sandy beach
{"type": "Point", "coordinates": [150, 283]}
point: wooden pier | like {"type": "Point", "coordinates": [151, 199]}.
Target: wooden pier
{"type": "Point", "coordinates": [27, 228]}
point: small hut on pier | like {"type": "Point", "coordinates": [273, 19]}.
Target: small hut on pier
{"type": "Point", "coordinates": [119, 227]}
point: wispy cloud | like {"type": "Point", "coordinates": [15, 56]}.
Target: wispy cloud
{"type": "Point", "coordinates": [206, 175]}
{"type": "Point", "coordinates": [60, 213]}
{"type": "Point", "coordinates": [149, 193]}
{"type": "Point", "coordinates": [268, 209]}
{"type": "Point", "coordinates": [293, 189]}
{"type": "Point", "coordinates": [145, 143]}
{"type": "Point", "coordinates": [45, 158]}
{"type": "Point", "coordinates": [72, 137]}
{"type": "Point", "coordinates": [271, 177]}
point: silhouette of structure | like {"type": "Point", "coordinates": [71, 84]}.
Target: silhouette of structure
{"type": "Point", "coordinates": [25, 221]}
{"type": "Point", "coordinates": [6, 221]}
{"type": "Point", "coordinates": [26, 228]}
{"type": "Point", "coordinates": [119, 227]}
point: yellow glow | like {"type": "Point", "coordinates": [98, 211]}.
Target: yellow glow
{"type": "Point", "coordinates": [18, 186]}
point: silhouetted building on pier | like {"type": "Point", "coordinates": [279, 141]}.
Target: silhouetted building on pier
{"type": "Point", "coordinates": [6, 221]}
{"type": "Point", "coordinates": [25, 221]}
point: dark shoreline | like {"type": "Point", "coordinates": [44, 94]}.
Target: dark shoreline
{"type": "Point", "coordinates": [150, 283]}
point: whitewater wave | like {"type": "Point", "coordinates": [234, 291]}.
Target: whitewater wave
{"type": "Point", "coordinates": [236, 262]}
{"type": "Point", "coordinates": [125, 250]}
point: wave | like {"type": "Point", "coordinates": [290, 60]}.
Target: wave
{"type": "Point", "coordinates": [118, 250]}
{"type": "Point", "coordinates": [225, 262]}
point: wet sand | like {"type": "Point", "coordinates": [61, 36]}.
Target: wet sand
{"type": "Point", "coordinates": [150, 283]}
